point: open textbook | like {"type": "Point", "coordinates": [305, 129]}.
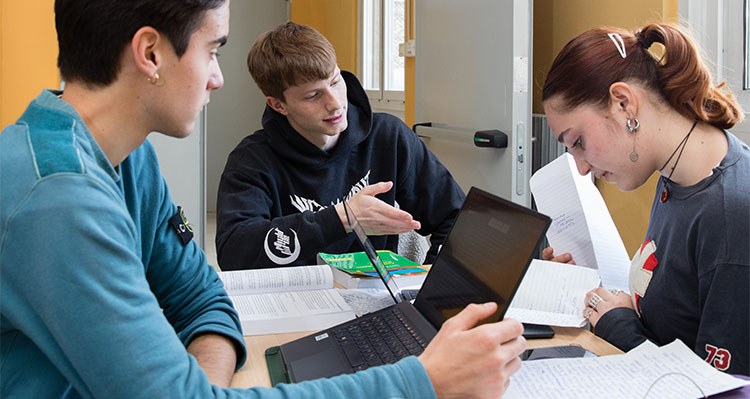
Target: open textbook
{"type": "Point", "coordinates": [553, 294]}
{"type": "Point", "coordinates": [286, 299]}
{"type": "Point", "coordinates": [581, 223]}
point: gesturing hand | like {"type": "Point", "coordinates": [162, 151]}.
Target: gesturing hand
{"type": "Point", "coordinates": [376, 216]}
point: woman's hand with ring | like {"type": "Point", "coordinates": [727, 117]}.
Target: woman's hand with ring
{"type": "Point", "coordinates": [600, 301]}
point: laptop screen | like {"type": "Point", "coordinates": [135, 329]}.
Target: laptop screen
{"type": "Point", "coordinates": [483, 258]}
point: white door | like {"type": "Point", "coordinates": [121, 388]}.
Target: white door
{"type": "Point", "coordinates": [473, 73]}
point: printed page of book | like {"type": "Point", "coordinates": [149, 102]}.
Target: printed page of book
{"type": "Point", "coordinates": [581, 223]}
{"type": "Point", "coordinates": [279, 279]}
{"type": "Point", "coordinates": [282, 312]}
{"type": "Point", "coordinates": [553, 294]}
{"type": "Point", "coordinates": [670, 371]}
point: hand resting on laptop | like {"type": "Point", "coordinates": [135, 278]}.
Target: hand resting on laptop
{"type": "Point", "coordinates": [468, 360]}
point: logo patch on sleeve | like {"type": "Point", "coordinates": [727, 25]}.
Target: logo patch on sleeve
{"type": "Point", "coordinates": [181, 226]}
{"type": "Point", "coordinates": [282, 247]}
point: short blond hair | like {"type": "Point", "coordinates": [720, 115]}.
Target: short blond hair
{"type": "Point", "coordinates": [288, 55]}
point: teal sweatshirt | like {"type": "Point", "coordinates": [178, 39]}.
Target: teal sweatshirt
{"type": "Point", "coordinates": [99, 297]}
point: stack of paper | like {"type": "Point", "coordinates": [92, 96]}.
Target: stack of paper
{"type": "Point", "coordinates": [672, 371]}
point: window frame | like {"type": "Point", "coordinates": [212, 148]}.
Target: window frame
{"type": "Point", "coordinates": [746, 36]}
{"type": "Point", "coordinates": [714, 24]}
{"type": "Point", "coordinates": [391, 101]}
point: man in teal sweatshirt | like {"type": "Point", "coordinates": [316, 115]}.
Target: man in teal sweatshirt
{"type": "Point", "coordinates": [103, 294]}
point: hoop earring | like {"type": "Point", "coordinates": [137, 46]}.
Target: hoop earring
{"type": "Point", "coordinates": [632, 124]}
{"type": "Point", "coordinates": [156, 80]}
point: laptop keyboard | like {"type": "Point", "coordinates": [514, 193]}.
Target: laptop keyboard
{"type": "Point", "coordinates": [378, 339]}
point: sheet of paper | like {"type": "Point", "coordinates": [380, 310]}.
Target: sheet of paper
{"type": "Point", "coordinates": [553, 294]}
{"type": "Point", "coordinates": [274, 313]}
{"type": "Point", "coordinates": [280, 279]}
{"type": "Point", "coordinates": [581, 223]}
{"type": "Point", "coordinates": [366, 300]}
{"type": "Point", "coordinates": [672, 371]}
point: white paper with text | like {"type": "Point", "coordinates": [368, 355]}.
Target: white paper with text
{"type": "Point", "coordinates": [581, 223]}
{"type": "Point", "coordinates": [670, 371]}
{"type": "Point", "coordinates": [553, 294]}
{"type": "Point", "coordinates": [287, 299]}
{"type": "Point", "coordinates": [283, 312]}
{"type": "Point", "coordinates": [278, 279]}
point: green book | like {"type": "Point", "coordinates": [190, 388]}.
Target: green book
{"type": "Point", "coordinates": [357, 263]}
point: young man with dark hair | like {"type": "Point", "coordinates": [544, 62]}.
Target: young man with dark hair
{"type": "Point", "coordinates": [103, 294]}
{"type": "Point", "coordinates": [281, 193]}
{"type": "Point", "coordinates": [99, 297]}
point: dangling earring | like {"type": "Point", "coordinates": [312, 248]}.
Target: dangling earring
{"type": "Point", "coordinates": [156, 80]}
{"type": "Point", "coordinates": [632, 124]}
{"type": "Point", "coordinates": [633, 154]}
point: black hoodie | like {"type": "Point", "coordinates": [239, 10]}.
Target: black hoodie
{"type": "Point", "coordinates": [275, 198]}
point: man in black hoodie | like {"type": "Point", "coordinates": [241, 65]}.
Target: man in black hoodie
{"type": "Point", "coordinates": [281, 193]}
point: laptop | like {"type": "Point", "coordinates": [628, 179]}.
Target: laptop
{"type": "Point", "coordinates": [483, 259]}
{"type": "Point", "coordinates": [530, 331]}
{"type": "Point", "coordinates": [390, 283]}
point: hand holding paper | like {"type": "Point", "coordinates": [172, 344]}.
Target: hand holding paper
{"type": "Point", "coordinates": [581, 223]}
{"type": "Point", "coordinates": [552, 294]}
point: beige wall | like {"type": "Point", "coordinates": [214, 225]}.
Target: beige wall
{"type": "Point", "coordinates": [28, 51]}
{"type": "Point", "coordinates": [336, 20]}
{"type": "Point", "coordinates": [28, 54]}
{"type": "Point", "coordinates": [558, 21]}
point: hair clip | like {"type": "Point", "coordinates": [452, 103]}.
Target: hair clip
{"type": "Point", "coordinates": [619, 43]}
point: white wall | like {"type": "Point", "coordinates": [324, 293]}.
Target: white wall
{"type": "Point", "coordinates": [182, 162]}
{"type": "Point", "coordinates": [235, 111]}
